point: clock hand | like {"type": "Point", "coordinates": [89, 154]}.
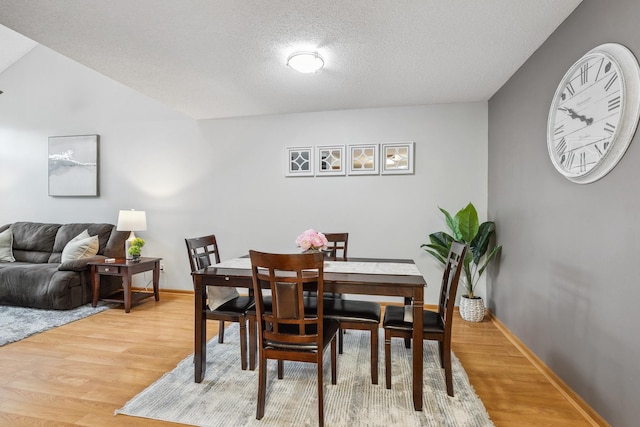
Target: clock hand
{"type": "Point", "coordinates": [575, 115]}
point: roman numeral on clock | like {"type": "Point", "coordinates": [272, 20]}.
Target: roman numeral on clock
{"type": "Point", "coordinates": [561, 147]}
{"type": "Point", "coordinates": [609, 128]}
{"type": "Point", "coordinates": [614, 103]}
{"type": "Point", "coordinates": [583, 162]}
{"type": "Point", "coordinates": [584, 74]}
{"type": "Point", "coordinates": [610, 82]}
{"type": "Point", "coordinates": [570, 89]}
{"type": "Point", "coordinates": [559, 130]}
{"type": "Point", "coordinates": [568, 160]}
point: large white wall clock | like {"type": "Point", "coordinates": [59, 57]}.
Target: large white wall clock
{"type": "Point", "coordinates": [594, 113]}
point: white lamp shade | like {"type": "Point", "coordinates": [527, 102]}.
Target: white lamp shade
{"type": "Point", "coordinates": [305, 62]}
{"type": "Point", "coordinates": [132, 220]}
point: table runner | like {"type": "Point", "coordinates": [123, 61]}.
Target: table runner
{"type": "Point", "coordinates": [401, 269]}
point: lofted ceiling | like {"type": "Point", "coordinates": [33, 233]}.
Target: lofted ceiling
{"type": "Point", "coordinates": [226, 58]}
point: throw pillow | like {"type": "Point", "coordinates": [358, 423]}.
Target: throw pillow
{"type": "Point", "coordinates": [6, 246]}
{"type": "Point", "coordinates": [81, 246]}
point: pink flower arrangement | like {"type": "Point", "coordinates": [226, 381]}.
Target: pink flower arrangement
{"type": "Point", "coordinates": [311, 239]}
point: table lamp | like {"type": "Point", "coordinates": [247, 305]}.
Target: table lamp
{"type": "Point", "coordinates": [131, 220]}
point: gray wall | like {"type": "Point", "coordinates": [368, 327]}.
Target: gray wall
{"type": "Point", "coordinates": [227, 176]}
{"type": "Point", "coordinates": [566, 284]}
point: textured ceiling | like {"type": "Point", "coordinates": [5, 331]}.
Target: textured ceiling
{"type": "Point", "coordinates": [226, 58]}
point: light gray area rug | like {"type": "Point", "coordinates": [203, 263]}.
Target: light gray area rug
{"type": "Point", "coordinates": [227, 395]}
{"type": "Point", "coordinates": [17, 323]}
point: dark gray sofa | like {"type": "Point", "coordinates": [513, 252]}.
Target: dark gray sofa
{"type": "Point", "coordinates": [38, 279]}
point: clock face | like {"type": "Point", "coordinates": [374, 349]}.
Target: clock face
{"type": "Point", "coordinates": [594, 113]}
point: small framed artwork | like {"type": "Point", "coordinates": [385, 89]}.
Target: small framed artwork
{"type": "Point", "coordinates": [363, 159]}
{"type": "Point", "coordinates": [299, 161]}
{"type": "Point", "coordinates": [330, 160]}
{"type": "Point", "coordinates": [397, 158]}
{"type": "Point", "coordinates": [73, 165]}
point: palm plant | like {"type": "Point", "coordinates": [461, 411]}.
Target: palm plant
{"type": "Point", "coordinates": [465, 227]}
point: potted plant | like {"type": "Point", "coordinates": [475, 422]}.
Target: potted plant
{"type": "Point", "coordinates": [465, 227]}
{"type": "Point", "coordinates": [135, 249]}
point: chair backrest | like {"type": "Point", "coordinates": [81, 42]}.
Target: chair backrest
{"type": "Point", "coordinates": [450, 278]}
{"type": "Point", "coordinates": [286, 276]}
{"type": "Point", "coordinates": [337, 244]}
{"type": "Point", "coordinates": [203, 252]}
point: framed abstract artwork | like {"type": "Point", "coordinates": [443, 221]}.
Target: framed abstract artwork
{"type": "Point", "coordinates": [397, 158]}
{"type": "Point", "coordinates": [73, 165]}
{"type": "Point", "coordinates": [299, 161]}
{"type": "Point", "coordinates": [330, 160]}
{"type": "Point", "coordinates": [363, 159]}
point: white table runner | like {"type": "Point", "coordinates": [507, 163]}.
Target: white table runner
{"type": "Point", "coordinates": [397, 268]}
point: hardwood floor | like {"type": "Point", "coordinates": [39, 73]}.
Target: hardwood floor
{"type": "Point", "coordinates": [80, 373]}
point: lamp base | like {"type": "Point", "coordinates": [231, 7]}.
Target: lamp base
{"type": "Point", "coordinates": [127, 245]}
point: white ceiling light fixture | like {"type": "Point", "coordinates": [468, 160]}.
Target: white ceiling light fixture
{"type": "Point", "coordinates": [305, 62]}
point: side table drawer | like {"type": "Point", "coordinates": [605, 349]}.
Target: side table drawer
{"type": "Point", "coordinates": [104, 269]}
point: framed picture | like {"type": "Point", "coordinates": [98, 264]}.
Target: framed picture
{"type": "Point", "coordinates": [330, 160]}
{"type": "Point", "coordinates": [299, 161]}
{"type": "Point", "coordinates": [73, 165]}
{"type": "Point", "coordinates": [363, 159]}
{"type": "Point", "coordinates": [397, 158]}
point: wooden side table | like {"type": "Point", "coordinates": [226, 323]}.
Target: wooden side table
{"type": "Point", "coordinates": [125, 268]}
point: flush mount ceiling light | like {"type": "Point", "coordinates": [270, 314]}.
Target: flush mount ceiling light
{"type": "Point", "coordinates": [305, 62]}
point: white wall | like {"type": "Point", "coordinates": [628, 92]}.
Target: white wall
{"type": "Point", "coordinates": [227, 176]}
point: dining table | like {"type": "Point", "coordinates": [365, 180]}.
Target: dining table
{"type": "Point", "coordinates": [362, 276]}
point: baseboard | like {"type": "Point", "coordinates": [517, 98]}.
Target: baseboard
{"type": "Point", "coordinates": [572, 397]}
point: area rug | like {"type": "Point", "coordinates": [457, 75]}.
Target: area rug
{"type": "Point", "coordinates": [227, 395]}
{"type": "Point", "coordinates": [20, 322]}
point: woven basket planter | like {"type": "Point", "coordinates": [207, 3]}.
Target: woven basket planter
{"type": "Point", "coordinates": [471, 309]}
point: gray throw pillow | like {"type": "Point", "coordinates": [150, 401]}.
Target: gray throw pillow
{"type": "Point", "coordinates": [81, 246]}
{"type": "Point", "coordinates": [6, 246]}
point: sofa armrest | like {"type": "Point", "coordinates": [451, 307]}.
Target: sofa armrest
{"type": "Point", "coordinates": [80, 264]}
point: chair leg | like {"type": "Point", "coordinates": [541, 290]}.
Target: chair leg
{"type": "Point", "coordinates": [448, 375]}
{"type": "Point", "coordinates": [262, 387]}
{"type": "Point", "coordinates": [387, 357]}
{"type": "Point", "coordinates": [334, 362]}
{"type": "Point", "coordinates": [441, 352]}
{"type": "Point", "coordinates": [253, 342]}
{"type": "Point", "coordinates": [320, 387]}
{"type": "Point", "coordinates": [243, 342]}
{"type": "Point", "coordinates": [374, 355]}
{"type": "Point", "coordinates": [340, 339]}
{"type": "Point", "coordinates": [221, 331]}
{"type": "Point", "coordinates": [280, 369]}
{"type": "Point", "coordinates": [407, 343]}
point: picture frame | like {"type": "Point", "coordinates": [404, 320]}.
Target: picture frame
{"type": "Point", "coordinates": [330, 160]}
{"type": "Point", "coordinates": [299, 161]}
{"type": "Point", "coordinates": [363, 159]}
{"type": "Point", "coordinates": [397, 158]}
{"type": "Point", "coordinates": [73, 166]}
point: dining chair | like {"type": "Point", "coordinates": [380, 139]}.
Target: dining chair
{"type": "Point", "coordinates": [436, 325]}
{"type": "Point", "coordinates": [224, 304]}
{"type": "Point", "coordinates": [338, 243]}
{"type": "Point", "coordinates": [291, 331]}
{"type": "Point", "coordinates": [352, 314]}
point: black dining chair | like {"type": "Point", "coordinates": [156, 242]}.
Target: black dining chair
{"type": "Point", "coordinates": [352, 314]}
{"type": "Point", "coordinates": [436, 325]}
{"type": "Point", "coordinates": [203, 252]}
{"type": "Point", "coordinates": [289, 330]}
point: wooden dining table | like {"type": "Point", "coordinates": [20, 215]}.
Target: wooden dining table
{"type": "Point", "coordinates": [363, 281]}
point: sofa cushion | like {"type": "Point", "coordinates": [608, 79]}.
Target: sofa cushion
{"type": "Point", "coordinates": [33, 241]}
{"type": "Point", "coordinates": [41, 286]}
{"type": "Point", "coordinates": [6, 246]}
{"type": "Point", "coordinates": [81, 264]}
{"type": "Point", "coordinates": [69, 231]}
{"type": "Point", "coordinates": [81, 246]}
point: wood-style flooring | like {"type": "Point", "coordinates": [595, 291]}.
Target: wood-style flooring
{"type": "Point", "coordinates": [80, 373]}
